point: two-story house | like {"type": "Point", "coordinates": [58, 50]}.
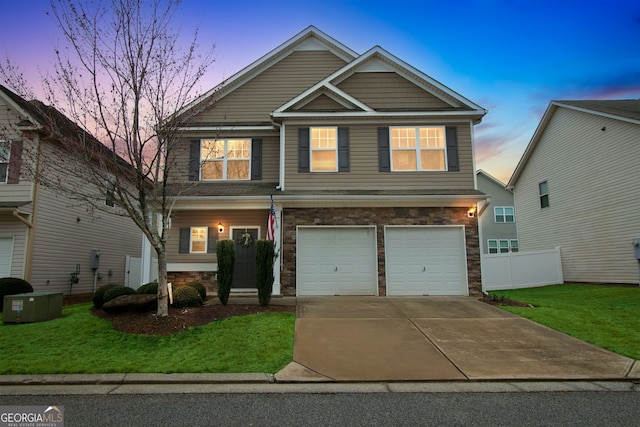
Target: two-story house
{"type": "Point", "coordinates": [45, 234]}
{"type": "Point", "coordinates": [369, 162]}
{"type": "Point", "coordinates": [497, 222]}
{"type": "Point", "coordinates": [576, 187]}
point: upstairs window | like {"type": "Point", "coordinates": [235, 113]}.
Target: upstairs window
{"type": "Point", "coordinates": [324, 149]}
{"type": "Point", "coordinates": [198, 240]}
{"type": "Point", "coordinates": [544, 194]}
{"type": "Point", "coordinates": [5, 157]}
{"type": "Point", "coordinates": [418, 149]}
{"type": "Point", "coordinates": [503, 214]}
{"type": "Point", "coordinates": [502, 246]}
{"type": "Point", "coordinates": [225, 159]}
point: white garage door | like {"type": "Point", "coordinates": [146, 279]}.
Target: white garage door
{"type": "Point", "coordinates": [336, 261]}
{"type": "Point", "coordinates": [425, 261]}
{"type": "Point", "coordinates": [6, 250]}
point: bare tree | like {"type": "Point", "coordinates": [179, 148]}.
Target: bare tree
{"type": "Point", "coordinates": [123, 76]}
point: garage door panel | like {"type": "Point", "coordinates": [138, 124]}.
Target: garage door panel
{"type": "Point", "coordinates": [425, 261]}
{"type": "Point", "coordinates": [336, 261]}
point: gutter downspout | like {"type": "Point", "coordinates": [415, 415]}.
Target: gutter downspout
{"type": "Point", "coordinates": [28, 263]}
{"type": "Point", "coordinates": [280, 186]}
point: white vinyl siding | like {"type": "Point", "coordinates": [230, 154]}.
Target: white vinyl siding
{"type": "Point", "coordinates": [593, 178]}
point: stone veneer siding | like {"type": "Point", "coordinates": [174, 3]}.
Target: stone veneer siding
{"type": "Point", "coordinates": [207, 278]}
{"type": "Point", "coordinates": [378, 217]}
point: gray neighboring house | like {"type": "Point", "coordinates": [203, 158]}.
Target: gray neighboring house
{"type": "Point", "coordinates": [497, 222]}
{"type": "Point", "coordinates": [44, 235]}
{"type": "Point", "coordinates": [576, 187]}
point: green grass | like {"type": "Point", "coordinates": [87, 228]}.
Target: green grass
{"type": "Point", "coordinates": [82, 343]}
{"type": "Point", "coordinates": [607, 316]}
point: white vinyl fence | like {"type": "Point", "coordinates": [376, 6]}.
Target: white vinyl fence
{"type": "Point", "coordinates": [521, 269]}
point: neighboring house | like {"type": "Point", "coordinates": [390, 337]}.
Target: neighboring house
{"type": "Point", "coordinates": [369, 162]}
{"type": "Point", "coordinates": [497, 222]}
{"type": "Point", "coordinates": [576, 187]}
{"type": "Point", "coordinates": [44, 235]}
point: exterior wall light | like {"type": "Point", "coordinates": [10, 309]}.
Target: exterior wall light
{"type": "Point", "coordinates": [471, 212]}
{"type": "Point", "coordinates": [220, 228]}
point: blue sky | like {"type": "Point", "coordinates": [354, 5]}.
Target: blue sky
{"type": "Point", "coordinates": [512, 57]}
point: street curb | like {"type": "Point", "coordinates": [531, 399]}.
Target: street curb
{"type": "Point", "coordinates": [82, 379]}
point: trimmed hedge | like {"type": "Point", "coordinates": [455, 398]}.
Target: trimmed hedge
{"type": "Point", "coordinates": [198, 287]}
{"type": "Point", "coordinates": [186, 296]}
{"type": "Point", "coordinates": [116, 292]}
{"type": "Point", "coordinates": [98, 296]}
{"type": "Point", "coordinates": [265, 253]}
{"type": "Point", "coordinates": [13, 286]}
{"type": "Point", "coordinates": [150, 288]}
{"type": "Point", "coordinates": [226, 253]}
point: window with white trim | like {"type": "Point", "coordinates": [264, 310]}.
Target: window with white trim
{"type": "Point", "coordinates": [502, 246]}
{"type": "Point", "coordinates": [543, 187]}
{"type": "Point", "coordinates": [324, 149]}
{"type": "Point", "coordinates": [198, 243]}
{"type": "Point", "coordinates": [503, 214]}
{"type": "Point", "coordinates": [225, 159]}
{"type": "Point", "coordinates": [418, 148]}
{"type": "Point", "coordinates": [5, 156]}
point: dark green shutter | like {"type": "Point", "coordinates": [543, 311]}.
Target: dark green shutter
{"type": "Point", "coordinates": [256, 159]}
{"type": "Point", "coordinates": [15, 162]}
{"type": "Point", "coordinates": [185, 239]}
{"type": "Point", "coordinates": [343, 149]}
{"type": "Point", "coordinates": [452, 148]}
{"type": "Point", "coordinates": [194, 160]}
{"type": "Point", "coordinates": [384, 157]}
{"type": "Point", "coordinates": [212, 238]}
{"type": "Point", "coordinates": [303, 149]}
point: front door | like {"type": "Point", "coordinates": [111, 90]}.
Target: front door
{"type": "Point", "coordinates": [244, 273]}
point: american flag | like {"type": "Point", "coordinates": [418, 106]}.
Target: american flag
{"type": "Point", "coordinates": [271, 223]}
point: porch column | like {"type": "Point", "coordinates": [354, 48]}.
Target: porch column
{"type": "Point", "coordinates": [277, 262]}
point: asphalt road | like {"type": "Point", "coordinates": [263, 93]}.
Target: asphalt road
{"type": "Point", "coordinates": [346, 409]}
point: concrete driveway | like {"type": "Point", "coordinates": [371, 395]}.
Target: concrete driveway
{"type": "Point", "coordinates": [436, 338]}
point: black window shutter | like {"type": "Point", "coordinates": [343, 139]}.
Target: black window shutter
{"type": "Point", "coordinates": [256, 159]}
{"type": "Point", "coordinates": [303, 150]}
{"type": "Point", "coordinates": [343, 149]}
{"type": "Point", "coordinates": [212, 238]}
{"type": "Point", "coordinates": [452, 148]}
{"type": "Point", "coordinates": [384, 157]}
{"type": "Point", "coordinates": [185, 239]}
{"type": "Point", "coordinates": [15, 162]}
{"type": "Point", "coordinates": [194, 160]}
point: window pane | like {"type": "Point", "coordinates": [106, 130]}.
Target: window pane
{"type": "Point", "coordinates": [544, 201]}
{"type": "Point", "coordinates": [404, 160]}
{"type": "Point", "coordinates": [432, 159]}
{"type": "Point", "coordinates": [238, 149]}
{"type": "Point", "coordinates": [514, 246]}
{"type": "Point", "coordinates": [504, 246]}
{"type": "Point", "coordinates": [238, 169]}
{"type": "Point", "coordinates": [403, 137]}
{"type": "Point", "coordinates": [3, 172]}
{"type": "Point", "coordinates": [197, 246]}
{"type": "Point", "coordinates": [323, 138]}
{"type": "Point", "coordinates": [212, 170]}
{"type": "Point", "coordinates": [5, 151]}
{"type": "Point", "coordinates": [323, 160]}
{"type": "Point", "coordinates": [431, 137]}
{"type": "Point", "coordinates": [212, 150]}
{"type": "Point", "coordinates": [543, 188]}
{"type": "Point", "coordinates": [509, 218]}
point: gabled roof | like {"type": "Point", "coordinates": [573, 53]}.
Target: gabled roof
{"type": "Point", "coordinates": [309, 38]}
{"type": "Point", "coordinates": [492, 178]}
{"type": "Point", "coordinates": [378, 59]}
{"type": "Point", "coordinates": [627, 110]}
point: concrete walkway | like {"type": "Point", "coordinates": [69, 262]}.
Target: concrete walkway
{"type": "Point", "coordinates": [355, 339]}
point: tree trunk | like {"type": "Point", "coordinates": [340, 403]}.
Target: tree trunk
{"type": "Point", "coordinates": [163, 294]}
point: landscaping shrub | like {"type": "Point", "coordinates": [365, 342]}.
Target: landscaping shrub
{"type": "Point", "coordinates": [226, 252]}
{"type": "Point", "coordinates": [116, 292]}
{"type": "Point", "coordinates": [98, 296]}
{"type": "Point", "coordinates": [198, 287]}
{"type": "Point", "coordinates": [186, 296]}
{"type": "Point", "coordinates": [150, 288]}
{"type": "Point", "coordinates": [265, 252]}
{"type": "Point", "coordinates": [13, 286]}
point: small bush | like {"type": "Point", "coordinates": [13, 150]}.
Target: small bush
{"type": "Point", "coordinates": [13, 286]}
{"type": "Point", "coordinates": [186, 296]}
{"type": "Point", "coordinates": [116, 292]}
{"type": "Point", "coordinates": [226, 254]}
{"type": "Point", "coordinates": [200, 288]}
{"type": "Point", "coordinates": [98, 296]}
{"type": "Point", "coordinates": [150, 288]}
{"type": "Point", "coordinates": [264, 275]}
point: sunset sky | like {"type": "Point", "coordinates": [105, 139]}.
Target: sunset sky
{"type": "Point", "coordinates": [512, 57]}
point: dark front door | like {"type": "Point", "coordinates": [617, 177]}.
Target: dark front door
{"type": "Point", "coordinates": [244, 273]}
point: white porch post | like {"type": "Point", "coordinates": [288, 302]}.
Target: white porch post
{"type": "Point", "coordinates": [277, 262]}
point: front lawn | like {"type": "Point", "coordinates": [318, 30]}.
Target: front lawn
{"type": "Point", "coordinates": [607, 316]}
{"type": "Point", "coordinates": [82, 343]}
